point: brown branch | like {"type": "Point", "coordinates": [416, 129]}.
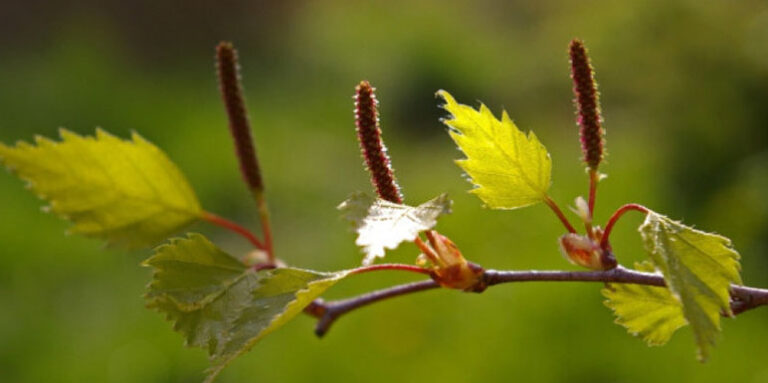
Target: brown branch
{"type": "Point", "coordinates": [328, 312]}
{"type": "Point", "coordinates": [743, 298]}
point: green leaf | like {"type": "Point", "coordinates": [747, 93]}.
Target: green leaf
{"type": "Point", "coordinates": [698, 268]}
{"type": "Point", "coordinates": [125, 191]}
{"type": "Point", "coordinates": [384, 225]}
{"type": "Point", "coordinates": [648, 311]}
{"type": "Point", "coordinates": [219, 304]}
{"type": "Point", "coordinates": [509, 169]}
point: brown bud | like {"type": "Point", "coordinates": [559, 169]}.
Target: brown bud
{"type": "Point", "coordinates": [587, 252]}
{"type": "Point", "coordinates": [450, 268]}
{"type": "Point", "coordinates": [372, 145]}
{"type": "Point", "coordinates": [239, 127]}
{"type": "Point", "coordinates": [589, 119]}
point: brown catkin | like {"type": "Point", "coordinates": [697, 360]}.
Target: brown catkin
{"type": "Point", "coordinates": [585, 89]}
{"type": "Point", "coordinates": [372, 145]}
{"type": "Point", "coordinates": [232, 94]}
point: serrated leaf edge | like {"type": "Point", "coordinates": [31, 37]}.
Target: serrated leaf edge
{"type": "Point", "coordinates": [213, 371]}
{"type": "Point", "coordinates": [99, 133]}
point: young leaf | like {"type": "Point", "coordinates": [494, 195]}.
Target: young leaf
{"type": "Point", "coordinates": [509, 169]}
{"type": "Point", "coordinates": [699, 268]}
{"type": "Point", "coordinates": [219, 304]}
{"type": "Point", "coordinates": [125, 191]}
{"type": "Point", "coordinates": [648, 311]}
{"type": "Point", "coordinates": [383, 225]}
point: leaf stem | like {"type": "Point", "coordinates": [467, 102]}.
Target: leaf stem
{"type": "Point", "coordinates": [556, 209]}
{"type": "Point", "coordinates": [266, 226]}
{"type": "Point", "coordinates": [426, 250]}
{"type": "Point", "coordinates": [615, 217]}
{"type": "Point", "coordinates": [391, 266]}
{"type": "Point", "coordinates": [743, 298]}
{"type": "Point", "coordinates": [594, 178]}
{"type": "Point", "coordinates": [232, 226]}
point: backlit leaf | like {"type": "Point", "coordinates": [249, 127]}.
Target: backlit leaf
{"type": "Point", "coordinates": [219, 304]}
{"type": "Point", "coordinates": [125, 191]}
{"type": "Point", "coordinates": [699, 268]}
{"type": "Point", "coordinates": [509, 169]}
{"type": "Point", "coordinates": [384, 225]}
{"type": "Point", "coordinates": [650, 312]}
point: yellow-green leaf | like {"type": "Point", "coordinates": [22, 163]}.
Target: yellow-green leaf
{"type": "Point", "coordinates": [381, 224]}
{"type": "Point", "coordinates": [125, 191]}
{"type": "Point", "coordinates": [509, 169]}
{"type": "Point", "coordinates": [698, 268]}
{"type": "Point", "coordinates": [650, 312]}
{"type": "Point", "coordinates": [219, 304]}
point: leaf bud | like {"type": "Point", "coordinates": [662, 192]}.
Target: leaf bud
{"type": "Point", "coordinates": [586, 252]}
{"type": "Point", "coordinates": [450, 268]}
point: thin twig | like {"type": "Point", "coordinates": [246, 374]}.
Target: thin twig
{"type": "Point", "coordinates": [559, 213]}
{"type": "Point", "coordinates": [266, 227]}
{"type": "Point", "coordinates": [615, 217]}
{"type": "Point", "coordinates": [229, 225]}
{"type": "Point", "coordinates": [328, 312]}
{"type": "Point", "coordinates": [594, 179]}
{"type": "Point", "coordinates": [391, 266]}
{"type": "Point", "coordinates": [743, 298]}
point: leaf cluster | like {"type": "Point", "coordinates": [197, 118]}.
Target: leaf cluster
{"type": "Point", "coordinates": [129, 194]}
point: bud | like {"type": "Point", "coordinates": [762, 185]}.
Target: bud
{"type": "Point", "coordinates": [581, 208]}
{"type": "Point", "coordinates": [586, 252]}
{"type": "Point", "coordinates": [257, 258]}
{"type": "Point", "coordinates": [372, 145]}
{"type": "Point", "coordinates": [450, 268]}
{"type": "Point", "coordinates": [589, 120]}
{"type": "Point", "coordinates": [239, 127]}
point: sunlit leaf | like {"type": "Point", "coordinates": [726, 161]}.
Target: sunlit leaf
{"type": "Point", "coordinates": [509, 169]}
{"type": "Point", "coordinates": [384, 225]}
{"type": "Point", "coordinates": [699, 268]}
{"type": "Point", "coordinates": [219, 304]}
{"type": "Point", "coordinates": [125, 191]}
{"type": "Point", "coordinates": [650, 312]}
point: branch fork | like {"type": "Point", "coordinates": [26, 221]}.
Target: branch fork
{"type": "Point", "coordinates": [743, 298]}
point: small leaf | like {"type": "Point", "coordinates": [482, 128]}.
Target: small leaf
{"type": "Point", "coordinates": [509, 169]}
{"type": "Point", "coordinates": [384, 225]}
{"type": "Point", "coordinates": [355, 208]}
{"type": "Point", "coordinates": [650, 312]}
{"type": "Point", "coordinates": [218, 304]}
{"type": "Point", "coordinates": [125, 191]}
{"type": "Point", "coordinates": [698, 268]}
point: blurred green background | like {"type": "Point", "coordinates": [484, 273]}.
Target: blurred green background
{"type": "Point", "coordinates": [685, 97]}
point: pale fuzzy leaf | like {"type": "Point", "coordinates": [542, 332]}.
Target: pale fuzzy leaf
{"type": "Point", "coordinates": [509, 169]}
{"type": "Point", "coordinates": [384, 225]}
{"type": "Point", "coordinates": [356, 207]}
{"type": "Point", "coordinates": [125, 191]}
{"type": "Point", "coordinates": [218, 304]}
{"type": "Point", "coordinates": [650, 312]}
{"type": "Point", "coordinates": [699, 268]}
